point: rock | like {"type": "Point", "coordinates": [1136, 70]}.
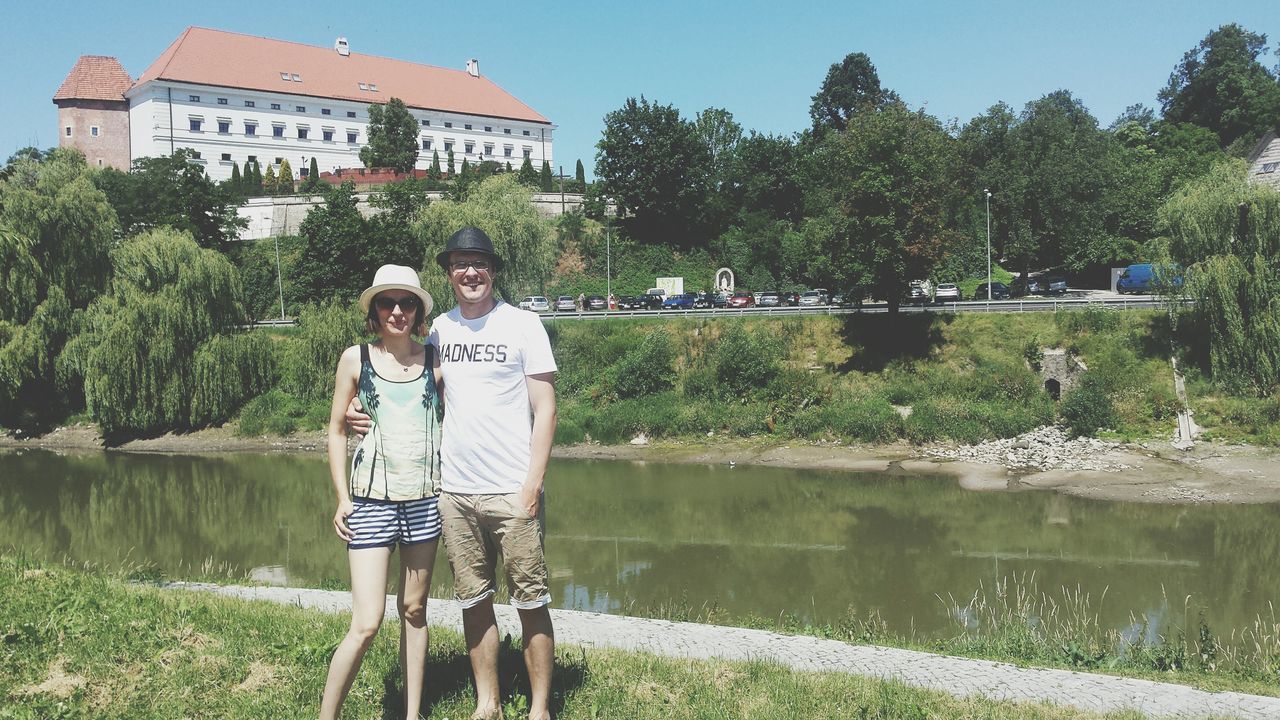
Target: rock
{"type": "Point", "coordinates": [640, 439]}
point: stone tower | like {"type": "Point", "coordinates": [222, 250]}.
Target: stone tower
{"type": "Point", "coordinates": [93, 114]}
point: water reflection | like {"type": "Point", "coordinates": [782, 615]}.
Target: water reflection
{"type": "Point", "coordinates": [752, 541]}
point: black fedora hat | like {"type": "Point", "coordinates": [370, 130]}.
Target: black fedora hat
{"type": "Point", "coordinates": [471, 239]}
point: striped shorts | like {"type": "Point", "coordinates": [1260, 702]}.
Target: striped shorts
{"type": "Point", "coordinates": [387, 523]}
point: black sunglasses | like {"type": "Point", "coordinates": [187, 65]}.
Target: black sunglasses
{"type": "Point", "coordinates": [406, 303]}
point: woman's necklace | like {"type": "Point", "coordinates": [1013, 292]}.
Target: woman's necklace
{"type": "Point", "coordinates": [393, 357]}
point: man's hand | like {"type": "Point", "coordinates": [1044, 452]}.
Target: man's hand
{"type": "Point", "coordinates": [530, 499]}
{"type": "Point", "coordinates": [359, 423]}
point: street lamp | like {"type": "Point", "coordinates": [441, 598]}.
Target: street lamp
{"type": "Point", "coordinates": [988, 194]}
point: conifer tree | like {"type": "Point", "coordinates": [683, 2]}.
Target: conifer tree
{"type": "Point", "coordinates": [466, 169]}
{"type": "Point", "coordinates": [284, 181]}
{"type": "Point", "coordinates": [237, 183]}
{"type": "Point", "coordinates": [580, 175]}
{"type": "Point", "coordinates": [269, 185]}
{"type": "Point", "coordinates": [449, 159]}
{"type": "Point", "coordinates": [247, 183]}
{"type": "Point", "coordinates": [544, 178]}
{"type": "Point", "coordinates": [313, 175]}
{"type": "Point", "coordinates": [434, 171]}
{"type": "Point", "coordinates": [528, 176]}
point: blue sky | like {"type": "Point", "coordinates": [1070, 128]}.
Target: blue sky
{"type": "Point", "coordinates": [575, 61]}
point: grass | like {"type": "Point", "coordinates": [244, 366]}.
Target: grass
{"type": "Point", "coordinates": [78, 643]}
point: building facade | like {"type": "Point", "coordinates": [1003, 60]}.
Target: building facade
{"type": "Point", "coordinates": [232, 98]}
{"type": "Point", "coordinates": [1264, 161]}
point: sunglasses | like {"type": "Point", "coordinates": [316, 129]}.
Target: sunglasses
{"type": "Point", "coordinates": [407, 303]}
{"type": "Point", "coordinates": [462, 265]}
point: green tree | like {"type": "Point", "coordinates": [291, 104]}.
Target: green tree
{"type": "Point", "coordinates": [502, 207]}
{"type": "Point", "coordinates": [393, 138]}
{"type": "Point", "coordinates": [312, 183]}
{"type": "Point", "coordinates": [248, 183]}
{"type": "Point", "coordinates": [579, 175]}
{"type": "Point", "coordinates": [545, 182]}
{"type": "Point", "coordinates": [269, 184]}
{"type": "Point", "coordinates": [284, 179]}
{"type": "Point", "coordinates": [877, 196]}
{"type": "Point", "coordinates": [172, 191]}
{"type": "Point", "coordinates": [528, 176]}
{"type": "Point", "coordinates": [151, 357]}
{"type": "Point", "coordinates": [257, 176]}
{"type": "Point", "coordinates": [449, 160]}
{"type": "Point", "coordinates": [653, 164]}
{"type": "Point", "coordinates": [717, 129]}
{"type": "Point", "coordinates": [237, 182]}
{"type": "Point", "coordinates": [433, 173]}
{"type": "Point", "coordinates": [1221, 85]}
{"type": "Point", "coordinates": [1226, 232]}
{"type": "Point", "coordinates": [334, 262]}
{"type": "Point", "coordinates": [389, 233]}
{"type": "Point", "coordinates": [851, 86]}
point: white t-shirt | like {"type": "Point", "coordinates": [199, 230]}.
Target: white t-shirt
{"type": "Point", "coordinates": [488, 423]}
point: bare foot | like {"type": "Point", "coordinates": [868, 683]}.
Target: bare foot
{"type": "Point", "coordinates": [490, 714]}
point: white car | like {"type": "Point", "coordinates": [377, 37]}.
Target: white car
{"type": "Point", "coordinates": [536, 303]}
{"type": "Point", "coordinates": [946, 292]}
{"type": "Point", "coordinates": [566, 303]}
{"type": "Point", "coordinates": [812, 298]}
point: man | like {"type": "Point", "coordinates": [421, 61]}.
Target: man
{"type": "Point", "coordinates": [500, 416]}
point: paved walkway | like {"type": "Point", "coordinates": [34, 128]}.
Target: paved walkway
{"type": "Point", "coordinates": [958, 676]}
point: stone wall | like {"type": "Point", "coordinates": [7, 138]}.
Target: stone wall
{"type": "Point", "coordinates": [275, 216]}
{"type": "Point", "coordinates": [1058, 369]}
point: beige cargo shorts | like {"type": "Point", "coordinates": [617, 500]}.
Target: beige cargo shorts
{"type": "Point", "coordinates": [479, 527]}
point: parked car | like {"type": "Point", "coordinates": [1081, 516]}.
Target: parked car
{"type": "Point", "coordinates": [629, 302]}
{"type": "Point", "coordinates": [1024, 286]}
{"type": "Point", "coordinates": [653, 298]}
{"type": "Point", "coordinates": [566, 303]}
{"type": "Point", "coordinates": [704, 300]}
{"type": "Point", "coordinates": [536, 303]}
{"type": "Point", "coordinates": [1149, 278]}
{"type": "Point", "coordinates": [947, 292]}
{"type": "Point", "coordinates": [742, 299]}
{"type": "Point", "coordinates": [769, 298]}
{"type": "Point", "coordinates": [919, 291]}
{"type": "Point", "coordinates": [596, 302]}
{"type": "Point", "coordinates": [1055, 285]}
{"type": "Point", "coordinates": [824, 294]}
{"type": "Point", "coordinates": [719, 300]}
{"type": "Point", "coordinates": [683, 301]}
{"type": "Point", "coordinates": [811, 298]}
{"type": "Point", "coordinates": [999, 291]}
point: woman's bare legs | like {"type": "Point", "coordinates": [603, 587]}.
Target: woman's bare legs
{"type": "Point", "coordinates": [368, 604]}
{"type": "Point", "coordinates": [416, 563]}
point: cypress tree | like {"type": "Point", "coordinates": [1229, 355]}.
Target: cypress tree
{"type": "Point", "coordinates": [434, 171]}
{"type": "Point", "coordinates": [466, 168]}
{"type": "Point", "coordinates": [237, 184]}
{"type": "Point", "coordinates": [544, 179]}
{"type": "Point", "coordinates": [313, 174]}
{"type": "Point", "coordinates": [450, 160]}
{"type": "Point", "coordinates": [284, 181]}
{"type": "Point", "coordinates": [527, 174]}
{"type": "Point", "coordinates": [508, 166]}
{"type": "Point", "coordinates": [580, 175]}
{"type": "Point", "coordinates": [246, 179]}
{"type": "Point", "coordinates": [269, 184]}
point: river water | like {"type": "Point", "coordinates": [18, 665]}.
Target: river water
{"type": "Point", "coordinates": [626, 537]}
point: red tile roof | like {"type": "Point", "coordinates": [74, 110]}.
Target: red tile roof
{"type": "Point", "coordinates": [225, 59]}
{"type": "Point", "coordinates": [95, 77]}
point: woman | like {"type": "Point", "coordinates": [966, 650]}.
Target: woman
{"type": "Point", "coordinates": [389, 497]}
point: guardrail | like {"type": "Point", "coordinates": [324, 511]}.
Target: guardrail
{"type": "Point", "coordinates": [1140, 302]}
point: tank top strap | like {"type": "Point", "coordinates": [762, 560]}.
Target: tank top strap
{"type": "Point", "coordinates": [364, 352]}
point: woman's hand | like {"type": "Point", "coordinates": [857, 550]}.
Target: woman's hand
{"type": "Point", "coordinates": [345, 508]}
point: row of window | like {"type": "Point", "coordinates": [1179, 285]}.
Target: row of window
{"type": "Point", "coordinates": [274, 106]}
{"type": "Point", "coordinates": [350, 113]}
{"type": "Point", "coordinates": [277, 130]}
{"type": "Point", "coordinates": [469, 148]}
{"type": "Point", "coordinates": [94, 131]}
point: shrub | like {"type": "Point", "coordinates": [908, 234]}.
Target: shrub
{"type": "Point", "coordinates": [1092, 319]}
{"type": "Point", "coordinates": [1087, 408]}
{"type": "Point", "coordinates": [645, 368]}
{"type": "Point", "coordinates": [870, 419]}
{"type": "Point", "coordinates": [312, 355]}
{"type": "Point", "coordinates": [227, 370]}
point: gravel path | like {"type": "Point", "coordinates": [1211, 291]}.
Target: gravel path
{"type": "Point", "coordinates": [958, 676]}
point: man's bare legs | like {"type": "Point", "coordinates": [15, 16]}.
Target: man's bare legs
{"type": "Point", "coordinates": [539, 658]}
{"type": "Point", "coordinates": [481, 630]}
{"type": "Point", "coordinates": [368, 603]}
{"type": "Point", "coordinates": [416, 563]}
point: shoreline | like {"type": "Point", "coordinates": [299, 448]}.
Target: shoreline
{"type": "Point", "coordinates": [1208, 473]}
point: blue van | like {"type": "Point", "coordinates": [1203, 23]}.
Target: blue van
{"type": "Point", "coordinates": [1145, 278]}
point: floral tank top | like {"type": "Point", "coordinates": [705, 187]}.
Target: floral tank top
{"type": "Point", "coordinates": [399, 459]}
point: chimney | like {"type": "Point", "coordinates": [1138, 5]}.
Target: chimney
{"type": "Point", "coordinates": [342, 47]}
{"type": "Point", "coordinates": [473, 67]}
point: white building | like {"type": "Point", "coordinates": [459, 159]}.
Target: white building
{"type": "Point", "coordinates": [233, 98]}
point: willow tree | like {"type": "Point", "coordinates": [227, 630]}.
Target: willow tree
{"type": "Point", "coordinates": [160, 351]}
{"type": "Point", "coordinates": [503, 208]}
{"type": "Point", "coordinates": [1226, 232]}
{"type": "Point", "coordinates": [55, 231]}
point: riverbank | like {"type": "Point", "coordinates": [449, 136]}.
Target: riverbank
{"type": "Point", "coordinates": [1211, 472]}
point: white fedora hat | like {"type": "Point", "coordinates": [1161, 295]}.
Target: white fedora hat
{"type": "Point", "coordinates": [397, 277]}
